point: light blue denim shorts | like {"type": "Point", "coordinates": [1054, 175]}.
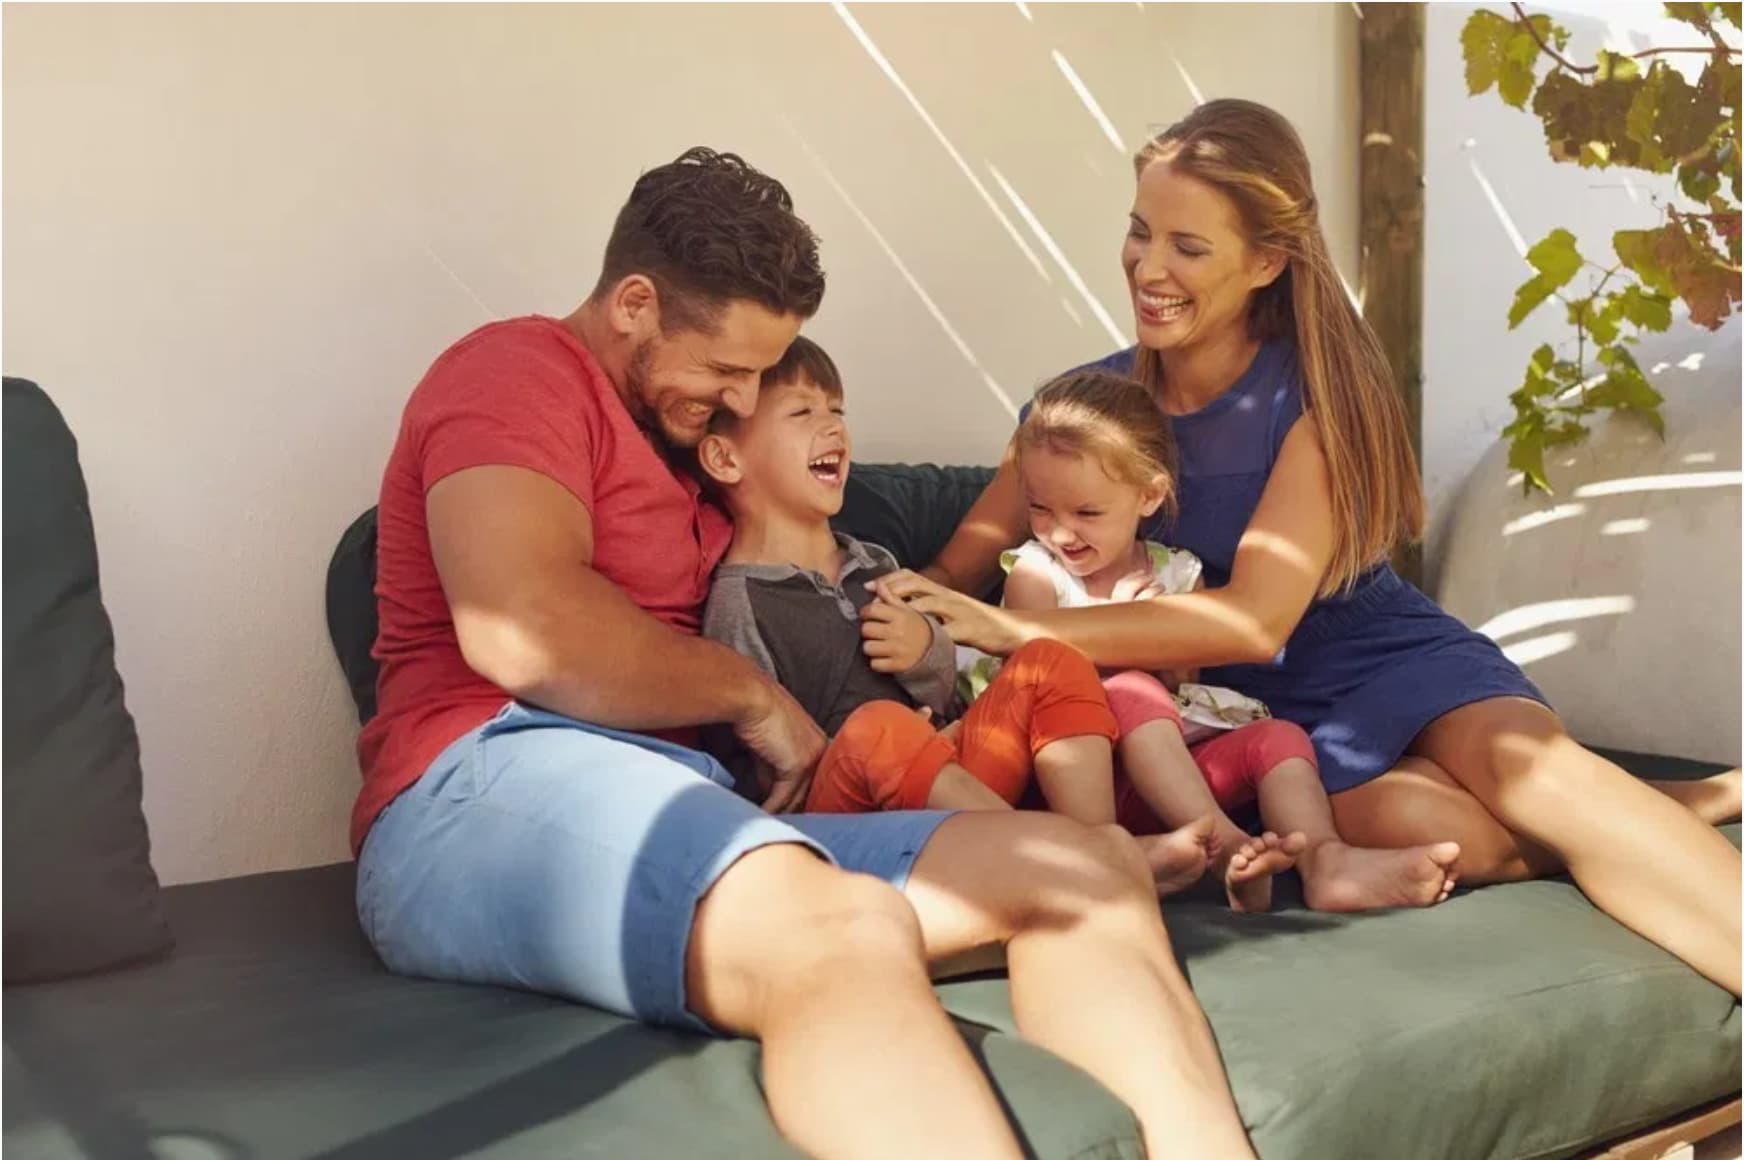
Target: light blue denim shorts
{"type": "Point", "coordinates": [543, 853]}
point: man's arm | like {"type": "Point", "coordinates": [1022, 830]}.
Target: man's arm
{"type": "Point", "coordinates": [514, 550]}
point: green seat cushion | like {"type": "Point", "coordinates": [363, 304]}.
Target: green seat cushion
{"type": "Point", "coordinates": [1514, 1021]}
{"type": "Point", "coordinates": [274, 1033]}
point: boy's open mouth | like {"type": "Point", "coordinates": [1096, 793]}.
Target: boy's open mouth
{"type": "Point", "coordinates": [828, 468]}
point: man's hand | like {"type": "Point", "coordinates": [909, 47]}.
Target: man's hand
{"type": "Point", "coordinates": [787, 744]}
{"type": "Point", "coordinates": [896, 636]}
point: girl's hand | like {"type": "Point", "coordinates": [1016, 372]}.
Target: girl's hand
{"type": "Point", "coordinates": [969, 621]}
{"type": "Point", "coordinates": [1136, 586]}
{"type": "Point", "coordinates": [896, 636]}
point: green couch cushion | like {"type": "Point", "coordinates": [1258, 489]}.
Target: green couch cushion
{"type": "Point", "coordinates": [80, 894]}
{"type": "Point", "coordinates": [274, 1033]}
{"type": "Point", "coordinates": [1515, 1021]}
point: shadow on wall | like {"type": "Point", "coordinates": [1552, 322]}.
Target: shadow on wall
{"type": "Point", "coordinates": [1619, 594]}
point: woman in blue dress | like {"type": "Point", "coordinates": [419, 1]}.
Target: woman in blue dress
{"type": "Point", "coordinates": [1296, 482]}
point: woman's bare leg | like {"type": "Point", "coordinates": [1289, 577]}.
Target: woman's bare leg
{"type": "Point", "coordinates": [1092, 976]}
{"type": "Point", "coordinates": [1418, 802]}
{"type": "Point", "coordinates": [1641, 857]}
{"type": "Point", "coordinates": [1712, 799]}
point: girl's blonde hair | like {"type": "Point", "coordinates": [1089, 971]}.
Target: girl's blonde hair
{"type": "Point", "coordinates": [1109, 418]}
{"type": "Point", "coordinates": [1253, 156]}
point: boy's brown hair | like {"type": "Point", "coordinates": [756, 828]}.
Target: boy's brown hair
{"type": "Point", "coordinates": [804, 361]}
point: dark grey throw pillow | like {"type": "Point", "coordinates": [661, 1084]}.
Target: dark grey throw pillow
{"type": "Point", "coordinates": [910, 509]}
{"type": "Point", "coordinates": [79, 891]}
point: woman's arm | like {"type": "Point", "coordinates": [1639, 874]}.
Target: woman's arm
{"type": "Point", "coordinates": [1278, 567]}
{"type": "Point", "coordinates": [997, 521]}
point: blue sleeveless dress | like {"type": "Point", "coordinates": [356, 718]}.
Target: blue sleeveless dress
{"type": "Point", "coordinates": [1363, 672]}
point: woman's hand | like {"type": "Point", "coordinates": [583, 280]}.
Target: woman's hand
{"type": "Point", "coordinates": [969, 621]}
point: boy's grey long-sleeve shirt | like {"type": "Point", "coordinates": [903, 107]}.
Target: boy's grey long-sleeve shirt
{"type": "Point", "coordinates": [804, 631]}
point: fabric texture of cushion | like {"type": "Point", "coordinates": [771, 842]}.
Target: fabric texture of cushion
{"type": "Point", "coordinates": [274, 1034]}
{"type": "Point", "coordinates": [80, 893]}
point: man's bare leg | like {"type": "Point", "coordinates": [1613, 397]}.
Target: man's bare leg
{"type": "Point", "coordinates": [820, 964]}
{"type": "Point", "coordinates": [1092, 976]}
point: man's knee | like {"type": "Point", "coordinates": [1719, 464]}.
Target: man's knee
{"type": "Point", "coordinates": [1069, 871]}
{"type": "Point", "coordinates": [776, 923]}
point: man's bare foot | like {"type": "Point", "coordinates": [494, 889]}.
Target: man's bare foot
{"type": "Point", "coordinates": [1344, 878]}
{"type": "Point", "coordinates": [1247, 877]}
{"type": "Point", "coordinates": [1180, 857]}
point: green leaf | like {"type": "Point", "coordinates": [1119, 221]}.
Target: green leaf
{"type": "Point", "coordinates": [1526, 455]}
{"type": "Point", "coordinates": [1539, 377]}
{"type": "Point", "coordinates": [1644, 107]}
{"type": "Point", "coordinates": [1614, 66]}
{"type": "Point", "coordinates": [1528, 298]}
{"type": "Point", "coordinates": [1696, 14]}
{"type": "Point", "coordinates": [1484, 41]}
{"type": "Point", "coordinates": [1644, 308]}
{"type": "Point", "coordinates": [1639, 250]}
{"type": "Point", "coordinates": [1556, 257]}
{"type": "Point", "coordinates": [1515, 78]}
{"type": "Point", "coordinates": [1698, 182]}
{"type": "Point", "coordinates": [1625, 388]}
{"type": "Point", "coordinates": [1732, 13]}
{"type": "Point", "coordinates": [1600, 321]}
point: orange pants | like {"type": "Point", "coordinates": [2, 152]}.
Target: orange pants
{"type": "Point", "coordinates": [885, 757]}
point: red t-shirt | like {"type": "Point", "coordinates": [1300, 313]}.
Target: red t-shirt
{"type": "Point", "coordinates": [521, 393]}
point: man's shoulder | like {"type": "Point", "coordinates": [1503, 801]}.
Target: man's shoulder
{"type": "Point", "coordinates": [533, 356]}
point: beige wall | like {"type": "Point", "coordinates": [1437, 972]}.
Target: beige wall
{"type": "Point", "coordinates": [234, 237]}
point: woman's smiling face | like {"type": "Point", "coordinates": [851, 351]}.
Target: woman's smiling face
{"type": "Point", "coordinates": [1189, 268]}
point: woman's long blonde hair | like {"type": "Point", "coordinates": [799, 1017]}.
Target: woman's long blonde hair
{"type": "Point", "coordinates": [1254, 157]}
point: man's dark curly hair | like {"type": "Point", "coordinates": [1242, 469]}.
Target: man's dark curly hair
{"type": "Point", "coordinates": [708, 229]}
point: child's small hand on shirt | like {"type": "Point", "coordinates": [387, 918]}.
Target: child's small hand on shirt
{"type": "Point", "coordinates": [1137, 585]}
{"type": "Point", "coordinates": [896, 636]}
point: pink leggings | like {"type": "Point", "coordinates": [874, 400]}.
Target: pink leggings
{"type": "Point", "coordinates": [1233, 763]}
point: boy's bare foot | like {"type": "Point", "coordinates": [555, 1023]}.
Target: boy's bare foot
{"type": "Point", "coordinates": [1247, 877]}
{"type": "Point", "coordinates": [1180, 857]}
{"type": "Point", "coordinates": [1344, 878]}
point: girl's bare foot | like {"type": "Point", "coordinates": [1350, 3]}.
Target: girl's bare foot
{"type": "Point", "coordinates": [1247, 876]}
{"type": "Point", "coordinates": [1180, 857]}
{"type": "Point", "coordinates": [1344, 878]}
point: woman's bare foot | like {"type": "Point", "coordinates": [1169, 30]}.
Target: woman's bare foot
{"type": "Point", "coordinates": [1247, 876]}
{"type": "Point", "coordinates": [1344, 878]}
{"type": "Point", "coordinates": [1714, 800]}
{"type": "Point", "coordinates": [1180, 857]}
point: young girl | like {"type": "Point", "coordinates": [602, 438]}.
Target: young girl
{"type": "Point", "coordinates": [1095, 459]}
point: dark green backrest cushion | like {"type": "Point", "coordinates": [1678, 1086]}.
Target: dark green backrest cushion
{"type": "Point", "coordinates": [79, 891]}
{"type": "Point", "coordinates": [911, 510]}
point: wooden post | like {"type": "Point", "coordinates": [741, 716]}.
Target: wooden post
{"type": "Point", "coordinates": [1391, 283]}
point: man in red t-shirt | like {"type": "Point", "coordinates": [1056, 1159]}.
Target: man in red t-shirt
{"type": "Point", "coordinates": [534, 812]}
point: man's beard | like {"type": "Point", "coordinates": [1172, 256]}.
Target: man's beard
{"type": "Point", "coordinates": [652, 423]}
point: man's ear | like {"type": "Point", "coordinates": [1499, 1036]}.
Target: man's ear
{"type": "Point", "coordinates": [633, 307]}
{"type": "Point", "coordinates": [719, 460]}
